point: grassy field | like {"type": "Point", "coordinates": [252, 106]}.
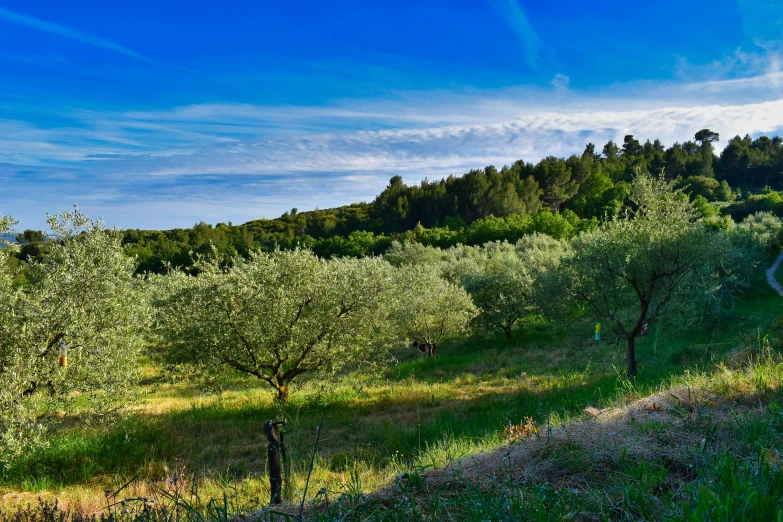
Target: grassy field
{"type": "Point", "coordinates": [412, 416]}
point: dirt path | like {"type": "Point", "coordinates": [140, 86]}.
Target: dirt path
{"type": "Point", "coordinates": [771, 275]}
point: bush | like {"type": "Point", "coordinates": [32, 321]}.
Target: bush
{"type": "Point", "coordinates": [762, 229]}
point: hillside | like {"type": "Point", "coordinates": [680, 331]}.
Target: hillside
{"type": "Point", "coordinates": [557, 196]}
{"type": "Point", "coordinates": [704, 448]}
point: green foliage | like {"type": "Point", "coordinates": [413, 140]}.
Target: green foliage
{"type": "Point", "coordinates": [555, 177]}
{"type": "Point", "coordinates": [628, 271]}
{"type": "Point", "coordinates": [750, 163]}
{"type": "Point", "coordinates": [501, 286]}
{"type": "Point", "coordinates": [31, 245]}
{"type": "Point", "coordinates": [768, 201]}
{"type": "Point", "coordinates": [704, 208]}
{"type": "Point", "coordinates": [83, 294]}
{"type": "Point", "coordinates": [503, 280]}
{"type": "Point", "coordinates": [278, 316]}
{"type": "Point", "coordinates": [589, 202]}
{"type": "Point", "coordinates": [412, 253]}
{"type": "Point", "coordinates": [763, 230]}
{"type": "Point", "coordinates": [737, 490]}
{"type": "Point", "coordinates": [6, 222]}
{"type": "Point", "coordinates": [428, 307]}
{"type": "Point", "coordinates": [709, 188]}
{"type": "Point", "coordinates": [727, 269]}
{"type": "Point", "coordinates": [494, 228]}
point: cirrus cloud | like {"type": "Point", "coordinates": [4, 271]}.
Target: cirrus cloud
{"type": "Point", "coordinates": [232, 162]}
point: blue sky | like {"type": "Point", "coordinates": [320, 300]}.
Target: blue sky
{"type": "Point", "coordinates": [162, 114]}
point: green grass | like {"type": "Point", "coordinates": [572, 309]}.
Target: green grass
{"type": "Point", "coordinates": [417, 414]}
{"type": "Point", "coordinates": [732, 474]}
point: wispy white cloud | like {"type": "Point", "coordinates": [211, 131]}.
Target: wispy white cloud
{"type": "Point", "coordinates": [739, 70]}
{"type": "Point", "coordinates": [762, 22]}
{"type": "Point", "coordinates": [756, 66]}
{"type": "Point", "coordinates": [771, 79]}
{"type": "Point", "coordinates": [238, 162]}
{"type": "Point", "coordinates": [513, 15]}
{"type": "Point", "coordinates": [72, 34]}
{"type": "Point", "coordinates": [163, 144]}
{"type": "Point", "coordinates": [560, 82]}
{"type": "Point", "coordinates": [438, 151]}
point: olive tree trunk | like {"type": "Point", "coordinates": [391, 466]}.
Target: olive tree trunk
{"type": "Point", "coordinates": [630, 356]}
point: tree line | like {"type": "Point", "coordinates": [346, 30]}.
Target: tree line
{"type": "Point", "coordinates": [560, 197]}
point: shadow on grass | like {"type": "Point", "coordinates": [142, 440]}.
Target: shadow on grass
{"type": "Point", "coordinates": [228, 438]}
{"type": "Point", "coordinates": [231, 439]}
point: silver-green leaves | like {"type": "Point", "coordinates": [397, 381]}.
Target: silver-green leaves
{"type": "Point", "coordinates": [82, 293]}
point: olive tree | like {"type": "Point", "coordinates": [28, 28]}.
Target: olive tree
{"type": "Point", "coordinates": [83, 295]}
{"type": "Point", "coordinates": [504, 280]}
{"type": "Point", "coordinates": [278, 316]}
{"type": "Point", "coordinates": [428, 307]}
{"type": "Point", "coordinates": [6, 222]}
{"type": "Point", "coordinates": [629, 270]}
{"type": "Point", "coordinates": [764, 230]}
{"type": "Point", "coordinates": [503, 292]}
{"type": "Point", "coordinates": [413, 253]}
{"type": "Point", "coordinates": [726, 271]}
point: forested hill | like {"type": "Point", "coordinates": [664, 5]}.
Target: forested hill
{"type": "Point", "coordinates": [558, 196]}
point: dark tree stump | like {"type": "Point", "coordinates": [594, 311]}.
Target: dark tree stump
{"type": "Point", "coordinates": [273, 451]}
